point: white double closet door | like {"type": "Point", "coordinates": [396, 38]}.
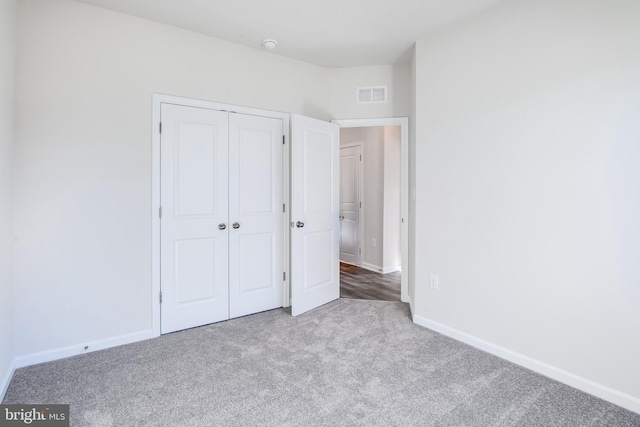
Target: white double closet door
{"type": "Point", "coordinates": [222, 223]}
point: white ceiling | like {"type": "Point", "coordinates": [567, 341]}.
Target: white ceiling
{"type": "Point", "coordinates": [330, 33]}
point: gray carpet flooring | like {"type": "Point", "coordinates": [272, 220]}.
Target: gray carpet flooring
{"type": "Point", "coordinates": [348, 363]}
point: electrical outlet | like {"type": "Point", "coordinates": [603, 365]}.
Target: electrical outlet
{"type": "Point", "coordinates": [374, 242]}
{"type": "Point", "coordinates": [434, 281]}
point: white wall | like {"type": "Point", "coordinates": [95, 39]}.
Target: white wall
{"type": "Point", "coordinates": [7, 81]}
{"type": "Point", "coordinates": [527, 174]}
{"type": "Point", "coordinates": [343, 83]}
{"type": "Point", "coordinates": [83, 156]}
{"type": "Point", "coordinates": [392, 215]}
{"type": "Point", "coordinates": [373, 204]}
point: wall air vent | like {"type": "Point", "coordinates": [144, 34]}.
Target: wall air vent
{"type": "Point", "coordinates": [372, 95]}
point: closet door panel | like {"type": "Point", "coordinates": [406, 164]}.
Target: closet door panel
{"type": "Point", "coordinates": [256, 197]}
{"type": "Point", "coordinates": [194, 200]}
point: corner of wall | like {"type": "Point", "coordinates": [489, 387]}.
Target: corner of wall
{"type": "Point", "coordinates": [6, 379]}
{"type": "Point", "coordinates": [412, 181]}
{"type": "Point", "coordinates": [8, 25]}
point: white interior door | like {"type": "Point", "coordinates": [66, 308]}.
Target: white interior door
{"type": "Point", "coordinates": [350, 162]}
{"type": "Point", "coordinates": [256, 197]}
{"type": "Point", "coordinates": [194, 200]}
{"type": "Point", "coordinates": [315, 236]}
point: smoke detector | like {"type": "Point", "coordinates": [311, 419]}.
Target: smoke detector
{"type": "Point", "coordinates": [270, 43]}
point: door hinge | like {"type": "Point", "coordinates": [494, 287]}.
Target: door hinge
{"type": "Point", "coordinates": [359, 251]}
{"type": "Point", "coordinates": [283, 139]}
{"type": "Point", "coordinates": [160, 297]}
{"type": "Point", "coordinates": [360, 157]}
{"type": "Point", "coordinates": [160, 212]}
{"type": "Point", "coordinates": [283, 208]}
{"type": "Point", "coordinates": [284, 276]}
{"type": "Point", "coordinates": [160, 127]}
{"type": "Point", "coordinates": [360, 205]}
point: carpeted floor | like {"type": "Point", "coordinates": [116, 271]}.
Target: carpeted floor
{"type": "Point", "coordinates": [348, 363]}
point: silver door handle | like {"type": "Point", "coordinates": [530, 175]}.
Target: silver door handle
{"type": "Point", "coordinates": [341, 217]}
{"type": "Point", "coordinates": [222, 226]}
{"type": "Point", "coordinates": [299, 224]}
{"type": "Point", "coordinates": [236, 225]}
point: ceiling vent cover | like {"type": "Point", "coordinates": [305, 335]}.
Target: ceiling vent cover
{"type": "Point", "coordinates": [372, 95]}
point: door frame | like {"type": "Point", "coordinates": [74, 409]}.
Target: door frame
{"type": "Point", "coordinates": [403, 122]}
{"type": "Point", "coordinates": [361, 199]}
{"type": "Point", "coordinates": [159, 99]}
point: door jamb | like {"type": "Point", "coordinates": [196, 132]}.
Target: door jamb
{"type": "Point", "coordinates": [403, 122]}
{"type": "Point", "coordinates": [159, 99]}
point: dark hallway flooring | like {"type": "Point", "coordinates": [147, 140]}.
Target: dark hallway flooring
{"type": "Point", "coordinates": [359, 283]}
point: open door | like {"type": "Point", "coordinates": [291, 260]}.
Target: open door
{"type": "Point", "coordinates": [315, 233]}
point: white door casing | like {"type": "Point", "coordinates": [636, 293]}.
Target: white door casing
{"type": "Point", "coordinates": [315, 234]}
{"type": "Point", "coordinates": [222, 232]}
{"type": "Point", "coordinates": [159, 132]}
{"type": "Point", "coordinates": [194, 187]}
{"type": "Point", "coordinates": [320, 255]}
{"type": "Point", "coordinates": [256, 197]}
{"type": "Point", "coordinates": [403, 122]}
{"type": "Point", "coordinates": [350, 165]}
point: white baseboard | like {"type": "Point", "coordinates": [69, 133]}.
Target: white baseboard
{"type": "Point", "coordinates": [74, 350]}
{"type": "Point", "coordinates": [4, 385]}
{"type": "Point", "coordinates": [607, 393]}
{"type": "Point", "coordinates": [349, 263]}
{"type": "Point", "coordinates": [371, 267]}
{"type": "Point", "coordinates": [379, 269]}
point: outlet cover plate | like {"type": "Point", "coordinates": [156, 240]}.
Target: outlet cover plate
{"type": "Point", "coordinates": [434, 281]}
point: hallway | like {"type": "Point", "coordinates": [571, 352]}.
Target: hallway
{"type": "Point", "coordinates": [359, 283]}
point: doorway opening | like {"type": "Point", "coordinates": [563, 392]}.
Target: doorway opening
{"type": "Point", "coordinates": [373, 208]}
{"type": "Point", "coordinates": [360, 283]}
